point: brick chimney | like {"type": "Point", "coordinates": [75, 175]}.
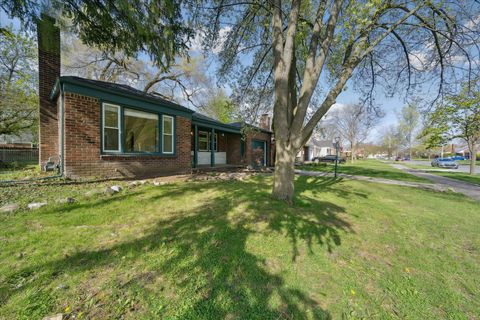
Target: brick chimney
{"type": "Point", "coordinates": [48, 72]}
{"type": "Point", "coordinates": [265, 121]}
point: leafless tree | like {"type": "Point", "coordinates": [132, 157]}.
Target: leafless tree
{"type": "Point", "coordinates": [353, 122]}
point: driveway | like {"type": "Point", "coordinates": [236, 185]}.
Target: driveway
{"type": "Point", "coordinates": [461, 168]}
{"type": "Point", "coordinates": [468, 189]}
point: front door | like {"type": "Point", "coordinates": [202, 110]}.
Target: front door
{"type": "Point", "coordinates": [259, 156]}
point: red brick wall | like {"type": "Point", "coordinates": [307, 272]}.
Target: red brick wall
{"type": "Point", "coordinates": [48, 72]}
{"type": "Point", "coordinates": [83, 156]}
{"type": "Point", "coordinates": [233, 148]}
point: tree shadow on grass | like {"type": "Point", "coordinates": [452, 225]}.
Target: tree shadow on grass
{"type": "Point", "coordinates": [204, 256]}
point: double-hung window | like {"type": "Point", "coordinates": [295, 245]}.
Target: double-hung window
{"type": "Point", "coordinates": [129, 130]}
{"type": "Point", "coordinates": [111, 128]}
{"type": "Point", "coordinates": [167, 133]}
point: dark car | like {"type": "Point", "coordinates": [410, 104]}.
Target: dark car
{"type": "Point", "coordinates": [458, 158]}
{"type": "Point", "coordinates": [330, 158]}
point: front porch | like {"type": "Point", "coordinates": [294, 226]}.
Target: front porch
{"type": "Point", "coordinates": [216, 145]}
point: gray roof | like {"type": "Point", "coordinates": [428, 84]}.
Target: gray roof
{"type": "Point", "coordinates": [320, 143]}
{"type": "Point", "coordinates": [240, 124]}
{"type": "Point", "coordinates": [123, 88]}
{"type": "Point", "coordinates": [201, 116]}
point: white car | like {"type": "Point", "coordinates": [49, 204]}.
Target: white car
{"type": "Point", "coordinates": [444, 163]}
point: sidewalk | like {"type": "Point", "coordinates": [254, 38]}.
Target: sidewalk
{"type": "Point", "coordinates": [428, 186]}
{"type": "Point", "coordinates": [468, 189]}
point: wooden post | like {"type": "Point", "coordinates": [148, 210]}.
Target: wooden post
{"type": "Point", "coordinates": [195, 147]}
{"type": "Point", "coordinates": [212, 149]}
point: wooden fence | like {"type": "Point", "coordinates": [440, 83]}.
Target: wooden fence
{"type": "Point", "coordinates": [20, 155]}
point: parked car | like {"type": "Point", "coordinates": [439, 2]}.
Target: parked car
{"type": "Point", "coordinates": [398, 159]}
{"type": "Point", "coordinates": [329, 158]}
{"type": "Point", "coordinates": [444, 163]}
{"type": "Point", "coordinates": [457, 158]}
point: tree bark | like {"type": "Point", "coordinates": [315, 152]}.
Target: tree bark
{"type": "Point", "coordinates": [352, 152]}
{"type": "Point", "coordinates": [284, 175]}
{"type": "Point", "coordinates": [473, 157]}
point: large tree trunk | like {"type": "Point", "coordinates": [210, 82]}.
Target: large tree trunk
{"type": "Point", "coordinates": [284, 175]}
{"type": "Point", "coordinates": [473, 157]}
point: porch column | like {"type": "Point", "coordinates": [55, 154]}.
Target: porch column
{"type": "Point", "coordinates": [195, 147]}
{"type": "Point", "coordinates": [212, 149]}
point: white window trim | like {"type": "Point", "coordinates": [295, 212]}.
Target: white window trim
{"type": "Point", "coordinates": [164, 134]}
{"type": "Point", "coordinates": [105, 127]}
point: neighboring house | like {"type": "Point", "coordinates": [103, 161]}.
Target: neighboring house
{"type": "Point", "coordinates": [464, 151]}
{"type": "Point", "coordinates": [22, 140]}
{"type": "Point", "coordinates": [316, 148]}
{"type": "Point", "coordinates": [100, 129]}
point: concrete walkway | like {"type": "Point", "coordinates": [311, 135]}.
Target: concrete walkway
{"type": "Point", "coordinates": [468, 189]}
{"type": "Point", "coordinates": [428, 186]}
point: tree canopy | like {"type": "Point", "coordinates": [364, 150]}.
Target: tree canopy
{"type": "Point", "coordinates": [301, 54]}
{"type": "Point", "coordinates": [156, 28]}
{"type": "Point", "coordinates": [457, 118]}
{"type": "Point", "coordinates": [18, 82]}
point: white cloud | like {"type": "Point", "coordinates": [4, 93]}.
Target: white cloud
{"type": "Point", "coordinates": [473, 23]}
{"type": "Point", "coordinates": [196, 43]}
{"type": "Point", "coordinates": [222, 38]}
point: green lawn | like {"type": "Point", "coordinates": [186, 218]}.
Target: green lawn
{"type": "Point", "coordinates": [226, 250]}
{"type": "Point", "coordinates": [369, 168]}
{"type": "Point", "coordinates": [468, 162]}
{"type": "Point", "coordinates": [22, 171]}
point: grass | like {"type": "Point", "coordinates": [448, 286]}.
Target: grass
{"type": "Point", "coordinates": [226, 250]}
{"type": "Point", "coordinates": [369, 168]}
{"type": "Point", "coordinates": [467, 162]}
{"type": "Point", "coordinates": [22, 171]}
{"type": "Point", "coordinates": [475, 179]}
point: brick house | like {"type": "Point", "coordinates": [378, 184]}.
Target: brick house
{"type": "Point", "coordinates": [99, 129]}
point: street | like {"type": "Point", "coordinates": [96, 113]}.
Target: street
{"type": "Point", "coordinates": [461, 168]}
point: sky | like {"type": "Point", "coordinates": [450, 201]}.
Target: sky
{"type": "Point", "coordinates": [389, 106]}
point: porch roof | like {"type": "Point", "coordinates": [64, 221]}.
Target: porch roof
{"type": "Point", "coordinates": [207, 122]}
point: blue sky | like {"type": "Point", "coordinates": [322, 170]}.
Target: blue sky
{"type": "Point", "coordinates": [388, 105]}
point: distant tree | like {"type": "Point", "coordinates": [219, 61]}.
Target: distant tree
{"type": "Point", "coordinates": [219, 106]}
{"type": "Point", "coordinates": [458, 118]}
{"type": "Point", "coordinates": [408, 125]}
{"type": "Point", "coordinates": [18, 83]}
{"type": "Point", "coordinates": [390, 140]}
{"type": "Point", "coordinates": [371, 149]}
{"type": "Point", "coordinates": [354, 122]}
{"type": "Point", "coordinates": [182, 82]}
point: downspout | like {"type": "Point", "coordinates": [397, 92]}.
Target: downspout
{"type": "Point", "coordinates": [62, 149]}
{"type": "Point", "coordinates": [62, 132]}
